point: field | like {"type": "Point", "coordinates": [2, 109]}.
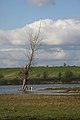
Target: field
{"type": "Point", "coordinates": [39, 107]}
{"type": "Point", "coordinates": [39, 74]}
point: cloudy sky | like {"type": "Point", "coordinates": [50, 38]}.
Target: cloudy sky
{"type": "Point", "coordinates": [60, 31]}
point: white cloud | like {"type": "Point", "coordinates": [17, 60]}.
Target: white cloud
{"type": "Point", "coordinates": [61, 32]}
{"type": "Point", "coordinates": [57, 32]}
{"type": "Point", "coordinates": [12, 49]}
{"type": "Point", "coordinates": [41, 3]}
{"type": "Point", "coordinates": [61, 41]}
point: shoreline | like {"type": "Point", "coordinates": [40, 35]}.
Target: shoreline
{"type": "Point", "coordinates": [13, 83]}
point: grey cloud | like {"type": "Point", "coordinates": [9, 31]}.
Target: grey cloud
{"type": "Point", "coordinates": [41, 3]}
{"type": "Point", "coordinates": [12, 57]}
{"type": "Point", "coordinates": [58, 54]}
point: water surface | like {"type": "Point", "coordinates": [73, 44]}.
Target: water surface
{"type": "Point", "coordinates": [38, 89]}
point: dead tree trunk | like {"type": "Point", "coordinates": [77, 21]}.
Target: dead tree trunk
{"type": "Point", "coordinates": [25, 78]}
{"type": "Point", "coordinates": [34, 45]}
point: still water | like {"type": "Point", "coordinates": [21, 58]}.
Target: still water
{"type": "Point", "coordinates": [38, 89]}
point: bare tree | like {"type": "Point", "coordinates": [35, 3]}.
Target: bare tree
{"type": "Point", "coordinates": [34, 42]}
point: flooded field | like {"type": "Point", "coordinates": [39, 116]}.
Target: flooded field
{"type": "Point", "coordinates": [39, 89]}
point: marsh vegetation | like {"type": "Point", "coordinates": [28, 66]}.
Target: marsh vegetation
{"type": "Point", "coordinates": [39, 107]}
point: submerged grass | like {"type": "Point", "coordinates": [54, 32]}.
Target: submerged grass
{"type": "Point", "coordinates": [39, 107]}
{"type": "Point", "coordinates": [77, 89]}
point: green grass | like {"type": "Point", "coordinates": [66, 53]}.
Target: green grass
{"type": "Point", "coordinates": [37, 73]}
{"type": "Point", "coordinates": [9, 73]}
{"type": "Point", "coordinates": [56, 69]}
{"type": "Point", "coordinates": [39, 107]}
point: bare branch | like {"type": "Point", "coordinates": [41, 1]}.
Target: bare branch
{"type": "Point", "coordinates": [34, 42]}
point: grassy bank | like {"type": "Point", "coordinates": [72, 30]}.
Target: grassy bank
{"type": "Point", "coordinates": [41, 75]}
{"type": "Point", "coordinates": [39, 107]}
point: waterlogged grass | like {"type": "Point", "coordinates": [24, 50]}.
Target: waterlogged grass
{"type": "Point", "coordinates": [76, 90]}
{"type": "Point", "coordinates": [39, 107]}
